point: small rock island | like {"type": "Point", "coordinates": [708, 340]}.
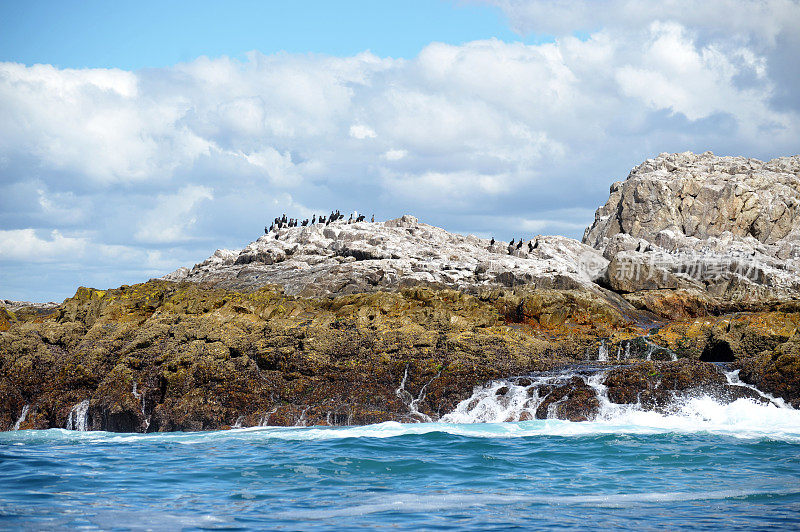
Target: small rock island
{"type": "Point", "coordinates": [692, 265]}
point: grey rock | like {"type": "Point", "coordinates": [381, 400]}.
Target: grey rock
{"type": "Point", "coordinates": [703, 196]}
{"type": "Point", "coordinates": [728, 225]}
{"type": "Point", "coordinates": [344, 258]}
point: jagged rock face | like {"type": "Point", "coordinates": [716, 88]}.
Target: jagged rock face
{"type": "Point", "coordinates": [728, 227]}
{"type": "Point", "coordinates": [703, 196]}
{"type": "Point", "coordinates": [343, 258]}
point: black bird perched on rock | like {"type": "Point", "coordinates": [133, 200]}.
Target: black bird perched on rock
{"type": "Point", "coordinates": [283, 218]}
{"type": "Point", "coordinates": [313, 219]}
{"type": "Point", "coordinates": [373, 219]}
{"type": "Point", "coordinates": [530, 246]}
{"type": "Point", "coordinates": [266, 230]}
{"type": "Point", "coordinates": [511, 243]}
{"type": "Point", "coordinates": [492, 242]}
{"type": "Point", "coordinates": [535, 245]}
{"type": "Point", "coordinates": [520, 244]}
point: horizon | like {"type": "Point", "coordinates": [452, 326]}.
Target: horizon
{"type": "Point", "coordinates": [162, 133]}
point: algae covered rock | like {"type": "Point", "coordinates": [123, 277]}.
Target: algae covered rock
{"type": "Point", "coordinates": [169, 356]}
{"type": "Point", "coordinates": [655, 384]}
{"type": "Point", "coordinates": [573, 401]}
{"type": "Point", "coordinates": [776, 372]}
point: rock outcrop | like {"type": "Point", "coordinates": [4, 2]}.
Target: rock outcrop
{"type": "Point", "coordinates": [705, 196]}
{"type": "Point", "coordinates": [683, 235]}
{"type": "Point", "coordinates": [175, 356]}
{"type": "Point", "coordinates": [343, 258]}
{"type": "Point", "coordinates": [727, 228]}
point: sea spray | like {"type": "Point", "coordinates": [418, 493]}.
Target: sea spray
{"type": "Point", "coordinates": [413, 402]}
{"type": "Point", "coordinates": [140, 396]}
{"type": "Point", "coordinates": [78, 418]}
{"type": "Point", "coordinates": [521, 399]}
{"type": "Point", "coordinates": [733, 380]}
{"type": "Point", "coordinates": [22, 417]}
{"type": "Point", "coordinates": [602, 352]}
{"type": "Point", "coordinates": [264, 421]}
{"type": "Point", "coordinates": [301, 422]}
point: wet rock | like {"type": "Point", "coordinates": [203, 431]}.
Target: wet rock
{"type": "Point", "coordinates": [654, 384]}
{"type": "Point", "coordinates": [525, 416]}
{"type": "Point", "coordinates": [776, 372]}
{"type": "Point", "coordinates": [574, 401]}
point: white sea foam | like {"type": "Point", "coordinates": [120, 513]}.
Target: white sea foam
{"type": "Point", "coordinates": [510, 400]}
{"type": "Point", "coordinates": [494, 411]}
{"type": "Point", "coordinates": [22, 417]}
{"type": "Point", "coordinates": [410, 401]}
{"type": "Point", "coordinates": [78, 418]}
{"type": "Point", "coordinates": [742, 419]}
{"type": "Point", "coordinates": [409, 503]}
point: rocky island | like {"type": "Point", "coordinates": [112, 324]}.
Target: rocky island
{"type": "Point", "coordinates": [687, 282]}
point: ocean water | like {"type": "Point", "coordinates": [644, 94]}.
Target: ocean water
{"type": "Point", "coordinates": [704, 466]}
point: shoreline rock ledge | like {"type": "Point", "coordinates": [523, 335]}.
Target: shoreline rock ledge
{"type": "Point", "coordinates": [686, 283]}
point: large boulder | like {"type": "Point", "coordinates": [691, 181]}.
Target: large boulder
{"type": "Point", "coordinates": [703, 196]}
{"type": "Point", "coordinates": [725, 226]}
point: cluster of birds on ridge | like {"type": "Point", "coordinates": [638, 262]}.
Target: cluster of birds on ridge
{"type": "Point", "coordinates": [282, 221]}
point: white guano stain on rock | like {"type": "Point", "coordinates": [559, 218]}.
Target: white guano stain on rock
{"type": "Point", "coordinates": [346, 257]}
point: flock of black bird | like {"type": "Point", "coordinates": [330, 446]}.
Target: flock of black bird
{"type": "Point", "coordinates": [532, 244]}
{"type": "Point", "coordinates": [282, 221]}
{"type": "Point", "coordinates": [334, 216]}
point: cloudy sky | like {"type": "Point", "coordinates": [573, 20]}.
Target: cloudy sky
{"type": "Point", "coordinates": [136, 138]}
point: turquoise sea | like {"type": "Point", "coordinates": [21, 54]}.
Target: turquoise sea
{"type": "Point", "coordinates": [704, 466]}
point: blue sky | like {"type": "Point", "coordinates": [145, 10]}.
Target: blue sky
{"type": "Point", "coordinates": [133, 35]}
{"type": "Point", "coordinates": [139, 137]}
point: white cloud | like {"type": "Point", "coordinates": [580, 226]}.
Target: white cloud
{"type": "Point", "coordinates": [172, 216]}
{"type": "Point", "coordinates": [279, 167]}
{"type": "Point", "coordinates": [26, 245]}
{"type": "Point", "coordinates": [95, 122]}
{"type": "Point", "coordinates": [505, 110]}
{"type": "Point", "coordinates": [761, 19]}
{"type": "Point", "coordinates": [395, 155]}
{"type": "Point", "coordinates": [360, 131]}
{"type": "Point", "coordinates": [124, 164]}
